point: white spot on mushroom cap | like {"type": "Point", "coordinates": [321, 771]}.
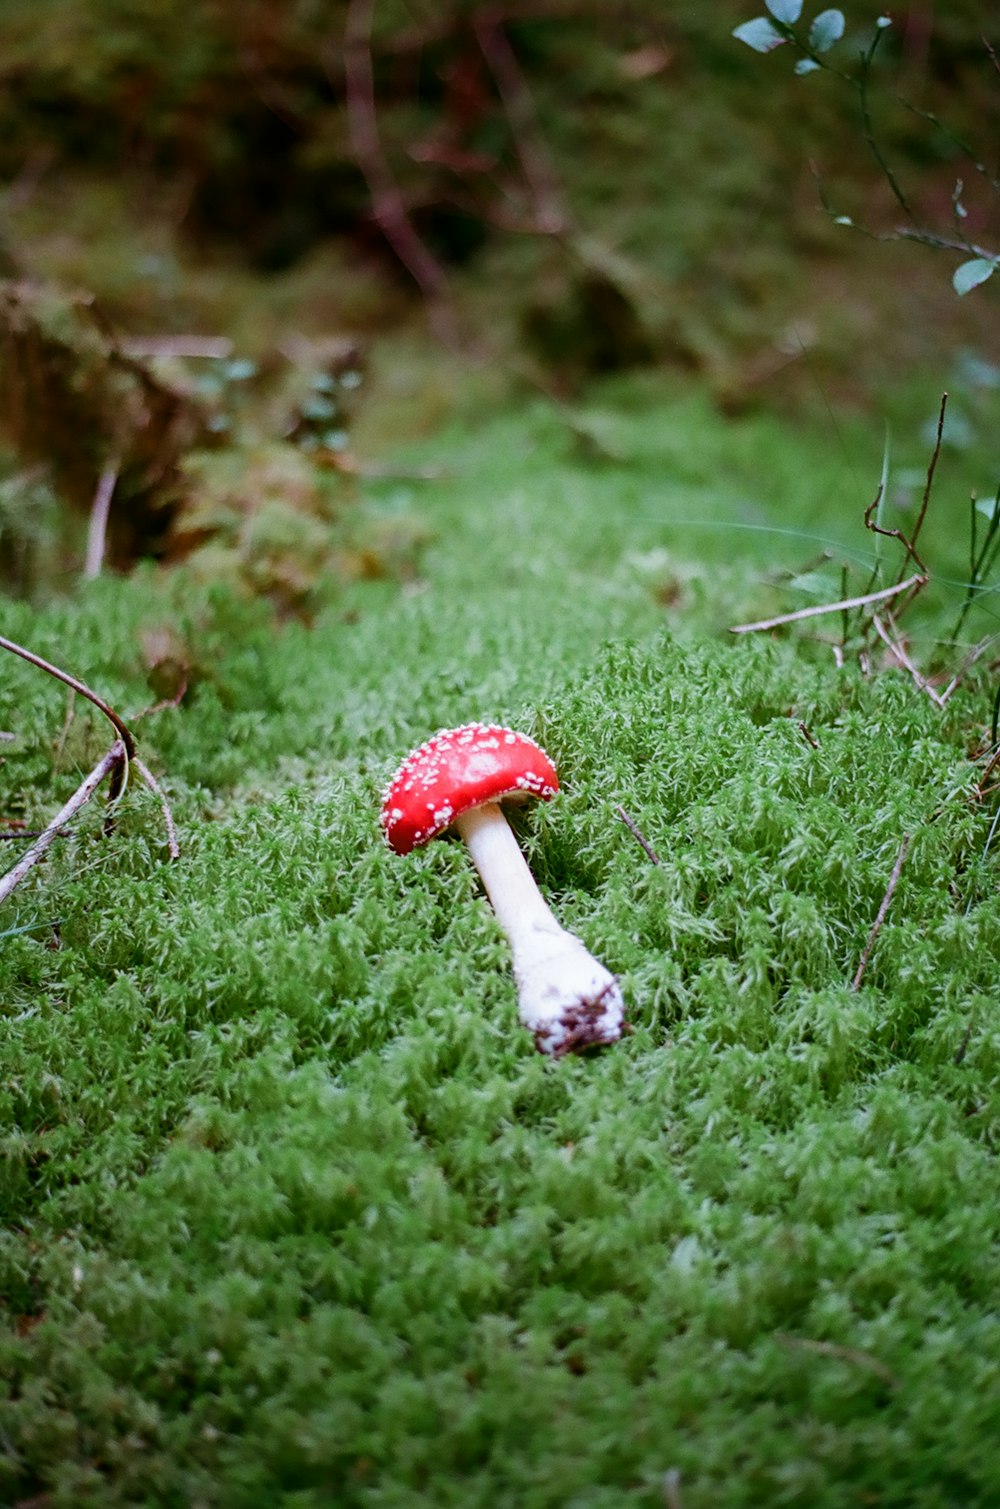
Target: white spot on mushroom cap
{"type": "Point", "coordinates": [431, 766]}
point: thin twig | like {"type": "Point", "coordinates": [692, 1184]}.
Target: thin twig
{"type": "Point", "coordinates": [808, 735]}
{"type": "Point", "coordinates": [145, 347]}
{"type": "Point", "coordinates": [974, 654]}
{"type": "Point", "coordinates": [917, 581]}
{"type": "Point", "coordinates": [932, 466]}
{"type": "Point", "coordinates": [891, 534]}
{"type": "Point", "coordinates": [388, 207]}
{"type": "Point", "coordinates": [984, 779]}
{"type": "Point", "coordinates": [550, 214]}
{"type": "Point", "coordinates": [861, 84]}
{"type": "Point", "coordinates": [898, 649]}
{"type": "Point", "coordinates": [638, 834]}
{"type": "Point", "coordinates": [107, 765]}
{"type": "Point", "coordinates": [672, 1488]}
{"type": "Point", "coordinates": [20, 837]}
{"type": "Point", "coordinates": [962, 1048]}
{"type": "Point", "coordinates": [78, 686]}
{"type": "Point", "coordinates": [843, 1354]}
{"type": "Point", "coordinates": [168, 817]}
{"type": "Point", "coordinates": [97, 529]}
{"type": "Point", "coordinates": [883, 911]}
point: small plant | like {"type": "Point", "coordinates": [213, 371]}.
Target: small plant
{"type": "Point", "coordinates": [875, 614]}
{"type": "Point", "coordinates": [814, 45]}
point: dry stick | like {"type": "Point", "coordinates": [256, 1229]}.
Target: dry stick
{"type": "Point", "coordinates": [144, 347]}
{"type": "Point", "coordinates": [882, 911]}
{"type": "Point", "coordinates": [892, 534]}
{"type": "Point", "coordinates": [550, 215]}
{"type": "Point", "coordinates": [638, 834]}
{"type": "Point", "coordinates": [120, 773]}
{"type": "Point", "coordinates": [388, 207]}
{"type": "Point", "coordinates": [842, 1353]}
{"type": "Point", "coordinates": [983, 781]}
{"type": "Point", "coordinates": [114, 759]}
{"type": "Point", "coordinates": [97, 529]}
{"type": "Point", "coordinates": [916, 581]}
{"type": "Point", "coordinates": [898, 649]}
{"type": "Point", "coordinates": [168, 816]}
{"type": "Point", "coordinates": [78, 686]}
{"type": "Point", "coordinates": [23, 833]}
{"type": "Point", "coordinates": [672, 1488]}
{"type": "Point", "coordinates": [932, 466]}
{"type": "Point", "coordinates": [974, 654]}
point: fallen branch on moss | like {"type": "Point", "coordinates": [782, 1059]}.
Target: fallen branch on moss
{"type": "Point", "coordinates": [917, 581]}
{"type": "Point", "coordinates": [883, 911]}
{"type": "Point", "coordinates": [113, 767]}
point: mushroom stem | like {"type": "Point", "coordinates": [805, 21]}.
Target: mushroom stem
{"type": "Point", "coordinates": [566, 998]}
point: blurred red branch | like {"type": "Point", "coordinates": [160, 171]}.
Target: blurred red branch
{"type": "Point", "coordinates": [388, 207]}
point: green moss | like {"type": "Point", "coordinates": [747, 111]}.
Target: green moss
{"type": "Point", "coordinates": [295, 1215]}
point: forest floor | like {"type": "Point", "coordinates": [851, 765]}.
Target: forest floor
{"type": "Point", "coordinates": [294, 1214]}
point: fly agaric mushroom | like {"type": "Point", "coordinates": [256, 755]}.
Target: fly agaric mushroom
{"type": "Point", "coordinates": [458, 780]}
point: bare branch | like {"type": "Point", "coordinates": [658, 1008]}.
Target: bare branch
{"type": "Point", "coordinates": [883, 911]}
{"type": "Point", "coordinates": [932, 465]}
{"type": "Point", "coordinates": [891, 534]}
{"type": "Point", "coordinates": [97, 529]}
{"type": "Point", "coordinates": [550, 213]}
{"type": "Point", "coordinates": [146, 347]}
{"type": "Point", "coordinates": [916, 581]}
{"type": "Point", "coordinates": [388, 207]}
{"type": "Point", "coordinates": [112, 761]}
{"type": "Point", "coordinates": [638, 835]}
{"type": "Point", "coordinates": [78, 686]}
{"type": "Point", "coordinates": [168, 817]}
{"type": "Point", "coordinates": [899, 651]}
{"type": "Point", "coordinates": [842, 1353]}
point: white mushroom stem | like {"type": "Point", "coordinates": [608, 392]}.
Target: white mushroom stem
{"type": "Point", "coordinates": [566, 998]}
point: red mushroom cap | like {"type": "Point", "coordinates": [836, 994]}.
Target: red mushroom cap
{"type": "Point", "coordinates": [461, 768]}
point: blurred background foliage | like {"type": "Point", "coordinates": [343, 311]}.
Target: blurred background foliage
{"type": "Point", "coordinates": [463, 198]}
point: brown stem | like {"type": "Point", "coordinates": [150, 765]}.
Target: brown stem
{"type": "Point", "coordinates": [638, 835]}
{"type": "Point", "coordinates": [111, 762]}
{"type": "Point", "coordinates": [550, 215]}
{"type": "Point", "coordinates": [898, 649]}
{"type": "Point", "coordinates": [97, 529]}
{"type": "Point", "coordinates": [892, 534]}
{"type": "Point", "coordinates": [932, 466]}
{"type": "Point", "coordinates": [882, 911]}
{"type": "Point", "coordinates": [78, 686]}
{"type": "Point", "coordinates": [388, 207]}
{"type": "Point", "coordinates": [915, 581]}
{"type": "Point", "coordinates": [168, 817]}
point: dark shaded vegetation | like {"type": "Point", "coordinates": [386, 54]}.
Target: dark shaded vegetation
{"type": "Point", "coordinates": [568, 190]}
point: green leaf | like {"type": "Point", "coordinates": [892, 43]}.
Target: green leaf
{"type": "Point", "coordinates": [759, 34]}
{"type": "Point", "coordinates": [970, 274]}
{"type": "Point", "coordinates": [827, 28]}
{"type": "Point", "coordinates": [883, 22]}
{"type": "Point", "coordinates": [988, 507]}
{"type": "Point", "coordinates": [788, 11]}
{"type": "Point", "coordinates": [806, 65]}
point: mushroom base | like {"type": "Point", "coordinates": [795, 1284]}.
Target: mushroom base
{"type": "Point", "coordinates": [567, 1000]}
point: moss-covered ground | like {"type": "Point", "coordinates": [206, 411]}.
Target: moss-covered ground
{"type": "Point", "coordinates": [293, 1213]}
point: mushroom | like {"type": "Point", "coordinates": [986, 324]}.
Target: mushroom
{"type": "Point", "coordinates": [458, 780]}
